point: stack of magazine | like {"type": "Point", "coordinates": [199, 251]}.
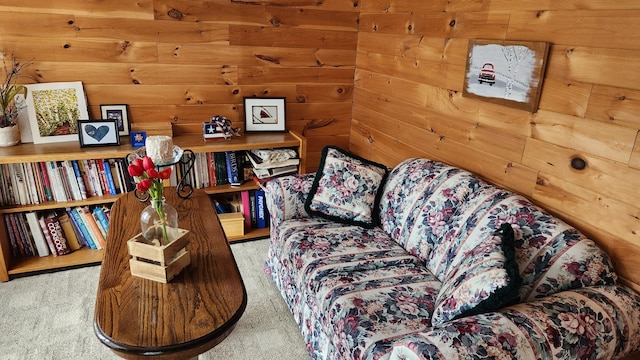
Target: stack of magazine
{"type": "Point", "coordinates": [273, 162]}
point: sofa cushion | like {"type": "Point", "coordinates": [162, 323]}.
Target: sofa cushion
{"type": "Point", "coordinates": [487, 279]}
{"type": "Point", "coordinates": [346, 188]}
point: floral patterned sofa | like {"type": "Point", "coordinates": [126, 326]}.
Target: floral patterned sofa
{"type": "Point", "coordinates": [386, 291]}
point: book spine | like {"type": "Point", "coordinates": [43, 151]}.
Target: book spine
{"type": "Point", "coordinates": [36, 232]}
{"type": "Point", "coordinates": [129, 183]}
{"type": "Point", "coordinates": [28, 238]}
{"type": "Point", "coordinates": [246, 209]}
{"type": "Point", "coordinates": [101, 220]}
{"type": "Point", "coordinates": [32, 183]}
{"type": "Point", "coordinates": [64, 177]}
{"type": "Point", "coordinates": [86, 177]}
{"type": "Point", "coordinates": [261, 210]}
{"type": "Point", "coordinates": [102, 177]}
{"type": "Point", "coordinates": [115, 176]}
{"type": "Point", "coordinates": [57, 235]}
{"type": "Point", "coordinates": [21, 186]}
{"type": "Point", "coordinates": [252, 204]}
{"type": "Point", "coordinates": [211, 169]}
{"type": "Point", "coordinates": [76, 229]}
{"type": "Point", "coordinates": [86, 235]}
{"type": "Point", "coordinates": [79, 179]}
{"type": "Point", "coordinates": [47, 183]}
{"type": "Point", "coordinates": [67, 229]}
{"type": "Point", "coordinates": [232, 168]}
{"type": "Point", "coordinates": [95, 177]}
{"type": "Point", "coordinates": [109, 177]}
{"type": "Point", "coordinates": [37, 177]}
{"type": "Point", "coordinates": [72, 180]}
{"type": "Point", "coordinates": [92, 226]}
{"type": "Point", "coordinates": [16, 233]}
{"type": "Point", "coordinates": [15, 250]}
{"type": "Point", "coordinates": [47, 236]}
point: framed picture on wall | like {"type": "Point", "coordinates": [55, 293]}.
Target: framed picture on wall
{"type": "Point", "coordinates": [98, 132]}
{"type": "Point", "coordinates": [53, 111]}
{"type": "Point", "coordinates": [119, 112]}
{"type": "Point", "coordinates": [264, 114]}
{"type": "Point", "coordinates": [508, 73]}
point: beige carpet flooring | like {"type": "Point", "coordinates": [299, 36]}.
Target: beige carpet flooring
{"type": "Point", "coordinates": [50, 316]}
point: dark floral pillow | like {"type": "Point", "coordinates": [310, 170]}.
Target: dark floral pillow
{"type": "Point", "coordinates": [346, 188]}
{"type": "Point", "coordinates": [485, 281]}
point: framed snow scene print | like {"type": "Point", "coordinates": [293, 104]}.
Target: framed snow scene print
{"type": "Point", "coordinates": [54, 110]}
{"type": "Point", "coordinates": [508, 73]}
{"type": "Point", "coordinates": [264, 114]}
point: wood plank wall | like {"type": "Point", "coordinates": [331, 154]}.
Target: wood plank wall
{"type": "Point", "coordinates": [408, 102]}
{"type": "Point", "coordinates": [183, 61]}
{"type": "Point", "coordinates": [382, 77]}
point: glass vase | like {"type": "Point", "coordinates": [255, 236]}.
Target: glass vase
{"type": "Point", "coordinates": [159, 222]}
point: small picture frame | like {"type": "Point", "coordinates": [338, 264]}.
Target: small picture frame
{"type": "Point", "coordinates": [102, 132]}
{"type": "Point", "coordinates": [138, 138]}
{"type": "Point", "coordinates": [119, 112]}
{"type": "Point", "coordinates": [264, 114]}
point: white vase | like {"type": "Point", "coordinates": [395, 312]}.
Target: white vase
{"type": "Point", "coordinates": [9, 136]}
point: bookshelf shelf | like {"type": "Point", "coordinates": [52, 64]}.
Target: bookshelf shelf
{"type": "Point", "coordinates": [30, 153]}
{"type": "Point", "coordinates": [79, 257]}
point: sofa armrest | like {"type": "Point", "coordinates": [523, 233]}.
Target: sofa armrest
{"type": "Point", "coordinates": [285, 197]}
{"type": "Point", "coordinates": [600, 322]}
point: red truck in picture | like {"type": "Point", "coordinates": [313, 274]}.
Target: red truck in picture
{"type": "Point", "coordinates": [487, 75]}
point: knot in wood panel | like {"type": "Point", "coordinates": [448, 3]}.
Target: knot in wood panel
{"type": "Point", "coordinates": [578, 163]}
{"type": "Point", "coordinates": [124, 46]}
{"type": "Point", "coordinates": [175, 14]}
{"type": "Point", "coordinates": [275, 21]}
{"type": "Point", "coordinates": [268, 58]}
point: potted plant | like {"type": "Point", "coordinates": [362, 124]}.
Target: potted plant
{"type": "Point", "coordinates": [9, 88]}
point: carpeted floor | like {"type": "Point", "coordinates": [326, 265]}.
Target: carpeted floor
{"type": "Point", "coordinates": [50, 316]}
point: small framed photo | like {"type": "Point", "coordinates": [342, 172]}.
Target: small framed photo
{"type": "Point", "coordinates": [98, 132]}
{"type": "Point", "coordinates": [264, 114]}
{"type": "Point", "coordinates": [119, 112]}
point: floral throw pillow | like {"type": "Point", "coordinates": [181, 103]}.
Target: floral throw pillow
{"type": "Point", "coordinates": [347, 188]}
{"type": "Point", "coordinates": [486, 280]}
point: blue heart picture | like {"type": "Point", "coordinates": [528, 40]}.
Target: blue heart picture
{"type": "Point", "coordinates": [97, 133]}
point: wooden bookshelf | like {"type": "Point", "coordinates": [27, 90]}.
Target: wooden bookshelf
{"type": "Point", "coordinates": [25, 153]}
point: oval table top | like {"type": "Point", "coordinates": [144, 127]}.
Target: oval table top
{"type": "Point", "coordinates": [195, 311]}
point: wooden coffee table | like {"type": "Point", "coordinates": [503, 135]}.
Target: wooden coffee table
{"type": "Point", "coordinates": [138, 318]}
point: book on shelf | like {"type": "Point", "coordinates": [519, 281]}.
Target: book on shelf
{"type": "Point", "coordinates": [101, 220]}
{"type": "Point", "coordinates": [275, 172]}
{"type": "Point", "coordinates": [233, 174]}
{"type": "Point", "coordinates": [13, 244]}
{"type": "Point", "coordinates": [22, 242]}
{"type": "Point", "coordinates": [262, 220]}
{"type": "Point", "coordinates": [31, 183]}
{"type": "Point", "coordinates": [264, 159]}
{"type": "Point", "coordinates": [36, 233]}
{"type": "Point", "coordinates": [46, 183]}
{"type": "Point", "coordinates": [92, 227]}
{"type": "Point", "coordinates": [54, 229]}
{"type": "Point", "coordinates": [79, 179]}
{"type": "Point", "coordinates": [67, 228]}
{"type": "Point", "coordinates": [246, 208]}
{"type": "Point", "coordinates": [252, 208]}
{"type": "Point", "coordinates": [85, 235]}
